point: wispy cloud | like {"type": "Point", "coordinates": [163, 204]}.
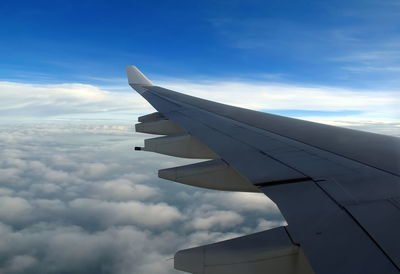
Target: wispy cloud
{"type": "Point", "coordinates": [82, 101]}
{"type": "Point", "coordinates": [354, 44]}
{"type": "Point", "coordinates": [363, 104]}
{"type": "Point", "coordinates": [44, 100]}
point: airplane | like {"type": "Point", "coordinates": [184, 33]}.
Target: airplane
{"type": "Point", "coordinates": [337, 188]}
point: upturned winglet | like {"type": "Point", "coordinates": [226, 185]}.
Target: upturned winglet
{"type": "Point", "coordinates": [136, 77]}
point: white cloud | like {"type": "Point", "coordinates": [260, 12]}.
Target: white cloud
{"type": "Point", "coordinates": [217, 219]}
{"type": "Point", "coordinates": [79, 101]}
{"type": "Point", "coordinates": [6, 191]}
{"type": "Point", "coordinates": [51, 205]}
{"type": "Point", "coordinates": [123, 190]}
{"type": "Point", "coordinates": [206, 237]}
{"type": "Point", "coordinates": [96, 170]}
{"type": "Point", "coordinates": [8, 174]}
{"type": "Point", "coordinates": [377, 104]}
{"type": "Point", "coordinates": [242, 201]}
{"type": "Point", "coordinates": [14, 209]}
{"type": "Point", "coordinates": [60, 249]}
{"type": "Point", "coordinates": [125, 213]}
{"type": "Point", "coordinates": [381, 127]}
{"type": "Point", "coordinates": [19, 263]}
{"type": "Point", "coordinates": [24, 100]}
{"type": "Point", "coordinates": [266, 224]}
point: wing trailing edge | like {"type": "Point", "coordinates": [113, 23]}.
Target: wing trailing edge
{"type": "Point", "coordinates": [270, 251]}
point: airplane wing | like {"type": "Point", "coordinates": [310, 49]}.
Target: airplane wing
{"type": "Point", "coordinates": [338, 189]}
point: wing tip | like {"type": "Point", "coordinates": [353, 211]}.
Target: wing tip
{"type": "Point", "coordinates": [136, 77]}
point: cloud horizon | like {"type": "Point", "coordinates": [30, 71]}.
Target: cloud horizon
{"type": "Point", "coordinates": [80, 101]}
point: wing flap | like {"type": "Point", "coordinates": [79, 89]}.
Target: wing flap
{"type": "Point", "coordinates": [159, 127]}
{"type": "Point", "coordinates": [215, 174]}
{"type": "Point", "coordinates": [150, 117]}
{"type": "Point", "coordinates": [181, 145]}
{"type": "Point", "coordinates": [269, 251]}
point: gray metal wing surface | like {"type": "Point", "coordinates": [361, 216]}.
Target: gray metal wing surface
{"type": "Point", "coordinates": [338, 189]}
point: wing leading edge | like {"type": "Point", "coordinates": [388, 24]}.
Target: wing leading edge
{"type": "Point", "coordinates": [337, 188]}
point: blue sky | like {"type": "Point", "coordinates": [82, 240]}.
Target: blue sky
{"type": "Point", "coordinates": [352, 44]}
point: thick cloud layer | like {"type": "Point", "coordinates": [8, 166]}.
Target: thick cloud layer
{"type": "Point", "coordinates": [76, 198]}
